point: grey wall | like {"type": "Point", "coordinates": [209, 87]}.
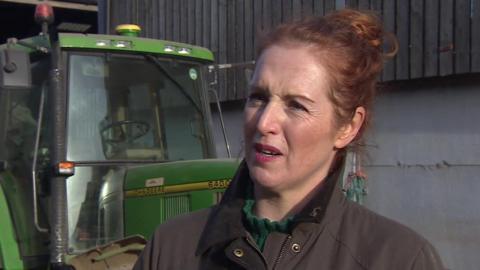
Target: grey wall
{"type": "Point", "coordinates": [423, 161]}
{"type": "Point", "coordinates": [424, 167]}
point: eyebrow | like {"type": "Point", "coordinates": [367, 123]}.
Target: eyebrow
{"type": "Point", "coordinates": [260, 89]}
{"type": "Point", "coordinates": [257, 89]}
{"type": "Point", "coordinates": [302, 97]}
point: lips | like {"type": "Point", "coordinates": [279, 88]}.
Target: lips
{"type": "Point", "coordinates": [267, 149]}
{"type": "Point", "coordinates": [265, 153]}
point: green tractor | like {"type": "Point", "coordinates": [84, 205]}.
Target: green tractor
{"type": "Point", "coordinates": [102, 138]}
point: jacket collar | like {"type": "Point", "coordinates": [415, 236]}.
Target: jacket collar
{"type": "Point", "coordinates": [225, 221]}
{"type": "Point", "coordinates": [326, 203]}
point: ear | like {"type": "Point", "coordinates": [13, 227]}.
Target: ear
{"type": "Point", "coordinates": [347, 132]}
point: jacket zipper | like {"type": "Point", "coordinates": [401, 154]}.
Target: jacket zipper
{"type": "Point", "coordinates": [282, 251]}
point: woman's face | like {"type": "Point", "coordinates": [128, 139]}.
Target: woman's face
{"type": "Point", "coordinates": [290, 136]}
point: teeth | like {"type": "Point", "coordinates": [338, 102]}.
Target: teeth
{"type": "Point", "coordinates": [268, 153]}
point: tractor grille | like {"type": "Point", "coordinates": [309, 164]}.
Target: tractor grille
{"type": "Point", "coordinates": [217, 197]}
{"type": "Point", "coordinates": [175, 205]}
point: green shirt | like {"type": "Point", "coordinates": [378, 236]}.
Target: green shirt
{"type": "Point", "coordinates": [260, 228]}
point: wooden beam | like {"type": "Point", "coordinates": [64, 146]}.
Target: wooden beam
{"type": "Point", "coordinates": [416, 39]}
{"type": "Point", "coordinates": [402, 22]}
{"type": "Point", "coordinates": [431, 52]}
{"type": "Point", "coordinates": [475, 39]}
{"type": "Point", "coordinates": [462, 36]}
{"type": "Point", "coordinates": [389, 24]}
{"type": "Point", "coordinates": [446, 37]}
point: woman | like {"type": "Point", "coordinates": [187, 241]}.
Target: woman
{"type": "Point", "coordinates": [310, 98]}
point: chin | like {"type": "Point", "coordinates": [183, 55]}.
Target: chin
{"type": "Point", "coordinates": [261, 174]}
{"type": "Point", "coordinates": [263, 178]}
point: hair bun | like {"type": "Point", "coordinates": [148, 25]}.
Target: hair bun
{"type": "Point", "coordinates": [368, 27]}
{"type": "Point", "coordinates": [372, 36]}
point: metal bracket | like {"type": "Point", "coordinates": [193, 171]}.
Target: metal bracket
{"type": "Point", "coordinates": [217, 101]}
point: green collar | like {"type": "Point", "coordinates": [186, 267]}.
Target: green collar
{"type": "Point", "coordinates": [260, 228]}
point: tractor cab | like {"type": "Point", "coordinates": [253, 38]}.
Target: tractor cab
{"type": "Point", "coordinates": [102, 137]}
{"type": "Point", "coordinates": [125, 110]}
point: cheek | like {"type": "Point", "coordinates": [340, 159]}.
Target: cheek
{"type": "Point", "coordinates": [308, 137]}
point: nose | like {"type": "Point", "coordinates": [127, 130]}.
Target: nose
{"type": "Point", "coordinates": [269, 118]}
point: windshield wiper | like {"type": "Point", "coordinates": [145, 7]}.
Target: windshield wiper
{"type": "Point", "coordinates": [167, 74]}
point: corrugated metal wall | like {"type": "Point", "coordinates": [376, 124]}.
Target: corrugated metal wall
{"type": "Point", "coordinates": [436, 37]}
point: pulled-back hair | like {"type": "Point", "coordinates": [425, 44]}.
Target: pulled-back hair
{"type": "Point", "coordinates": [349, 44]}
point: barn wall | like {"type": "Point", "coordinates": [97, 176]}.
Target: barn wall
{"type": "Point", "coordinates": [436, 38]}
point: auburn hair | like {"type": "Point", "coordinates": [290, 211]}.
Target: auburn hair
{"type": "Point", "coordinates": [349, 44]}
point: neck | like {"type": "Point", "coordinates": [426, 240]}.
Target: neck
{"type": "Point", "coordinates": [279, 206]}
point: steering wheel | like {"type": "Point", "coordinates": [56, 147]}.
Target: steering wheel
{"type": "Point", "coordinates": [142, 127]}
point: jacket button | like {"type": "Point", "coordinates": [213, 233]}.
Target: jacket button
{"type": "Point", "coordinates": [296, 248]}
{"type": "Point", "coordinates": [238, 252]}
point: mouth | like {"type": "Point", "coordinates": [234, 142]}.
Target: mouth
{"type": "Point", "coordinates": [267, 150]}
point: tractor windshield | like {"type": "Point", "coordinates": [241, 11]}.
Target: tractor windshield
{"type": "Point", "coordinates": [124, 109]}
{"type": "Point", "coordinates": [133, 109]}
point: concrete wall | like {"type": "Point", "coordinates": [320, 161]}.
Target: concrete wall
{"type": "Point", "coordinates": [423, 161]}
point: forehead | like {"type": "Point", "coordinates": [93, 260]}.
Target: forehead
{"type": "Point", "coordinates": [289, 68]}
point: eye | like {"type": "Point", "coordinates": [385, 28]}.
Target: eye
{"type": "Point", "coordinates": [296, 106]}
{"type": "Point", "coordinates": [256, 98]}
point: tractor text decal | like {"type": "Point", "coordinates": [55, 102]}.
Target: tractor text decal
{"type": "Point", "coordinates": [158, 190]}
